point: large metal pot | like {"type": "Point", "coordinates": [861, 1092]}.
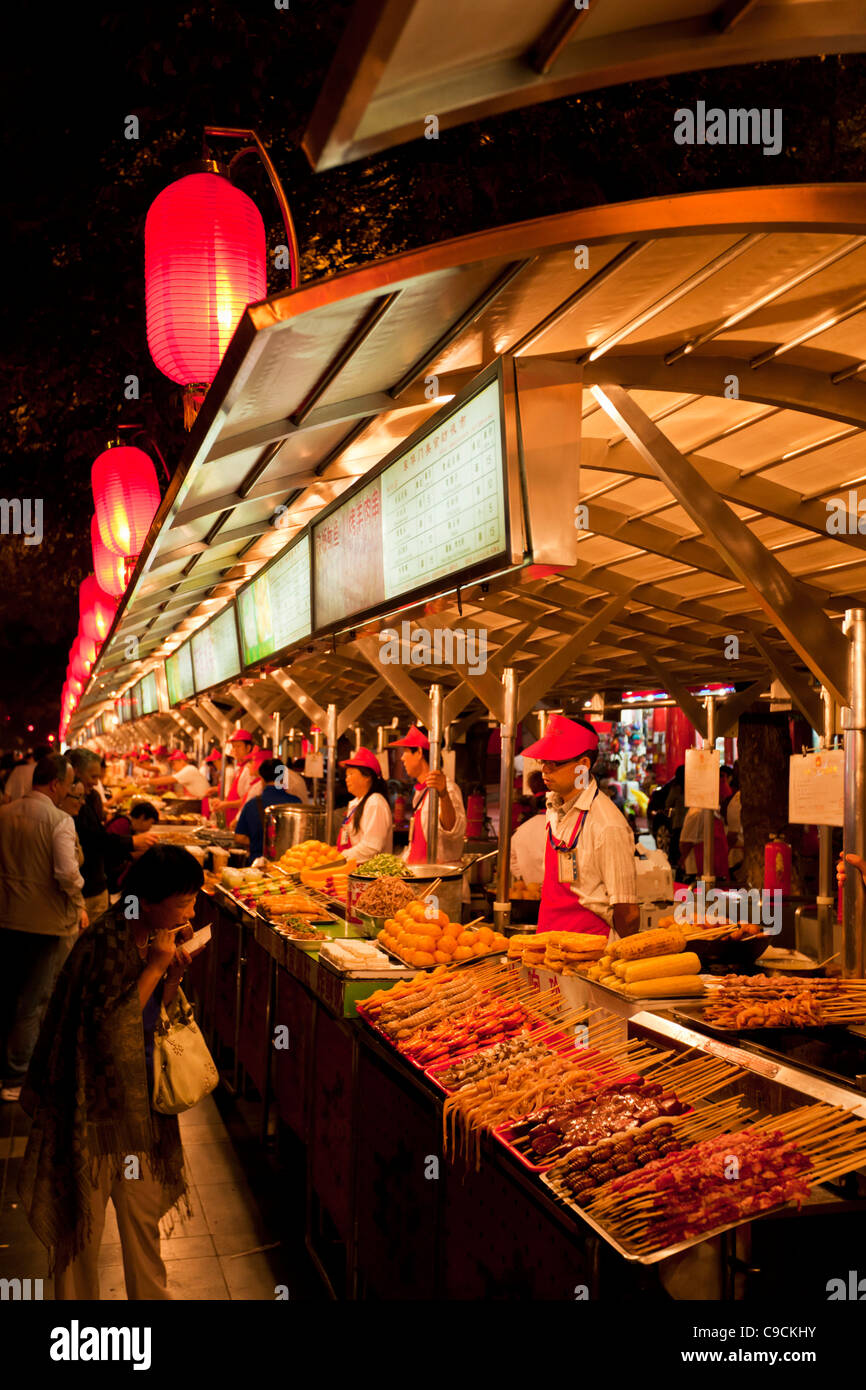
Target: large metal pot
{"type": "Point", "coordinates": [288, 825]}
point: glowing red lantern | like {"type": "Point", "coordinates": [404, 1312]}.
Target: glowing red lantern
{"type": "Point", "coordinates": [204, 261]}
{"type": "Point", "coordinates": [87, 649]}
{"type": "Point", "coordinates": [97, 609]}
{"type": "Point", "coordinates": [77, 669]}
{"type": "Point", "coordinates": [110, 569]}
{"type": "Point", "coordinates": [126, 493]}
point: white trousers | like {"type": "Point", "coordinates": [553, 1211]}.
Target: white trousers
{"type": "Point", "coordinates": [139, 1204]}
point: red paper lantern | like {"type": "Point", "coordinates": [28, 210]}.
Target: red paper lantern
{"type": "Point", "coordinates": [204, 261]}
{"type": "Point", "coordinates": [87, 649]}
{"type": "Point", "coordinates": [126, 493]}
{"type": "Point", "coordinates": [97, 609]}
{"type": "Point", "coordinates": [110, 569]}
{"type": "Point", "coordinates": [77, 669]}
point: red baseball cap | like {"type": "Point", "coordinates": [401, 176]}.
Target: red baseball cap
{"type": "Point", "coordinates": [414, 739]}
{"type": "Point", "coordinates": [160, 751]}
{"type": "Point", "coordinates": [214, 757]}
{"type": "Point", "coordinates": [178, 756]}
{"type": "Point", "coordinates": [241, 736]}
{"type": "Point", "coordinates": [563, 741]}
{"type": "Point", "coordinates": [363, 758]}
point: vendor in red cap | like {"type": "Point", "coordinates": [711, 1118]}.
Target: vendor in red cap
{"type": "Point", "coordinates": [368, 826]}
{"type": "Point", "coordinates": [242, 745]}
{"type": "Point", "coordinates": [589, 879]}
{"type": "Point", "coordinates": [185, 778]}
{"type": "Point", "coordinates": [452, 816]}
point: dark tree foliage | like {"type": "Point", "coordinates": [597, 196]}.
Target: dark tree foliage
{"type": "Point", "coordinates": [76, 194]}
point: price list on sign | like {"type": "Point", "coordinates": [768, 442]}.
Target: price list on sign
{"type": "Point", "coordinates": [443, 503]}
{"type": "Point", "coordinates": [215, 655]}
{"type": "Point", "coordinates": [178, 675]}
{"type": "Point", "coordinates": [347, 557]}
{"type": "Point", "coordinates": [275, 610]}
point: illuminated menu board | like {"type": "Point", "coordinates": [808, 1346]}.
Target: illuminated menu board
{"type": "Point", "coordinates": [443, 503]}
{"type": "Point", "coordinates": [434, 511]}
{"type": "Point", "coordinates": [123, 708]}
{"type": "Point", "coordinates": [215, 654]}
{"type": "Point", "coordinates": [178, 675]}
{"type": "Point", "coordinates": [135, 701]}
{"type": "Point", "coordinates": [276, 609]}
{"type": "Point", "coordinates": [149, 697]}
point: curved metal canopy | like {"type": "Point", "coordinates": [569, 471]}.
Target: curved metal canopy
{"type": "Point", "coordinates": [723, 343]}
{"type": "Point", "coordinates": [402, 62]}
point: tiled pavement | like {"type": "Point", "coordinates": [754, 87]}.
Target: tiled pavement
{"type": "Point", "coordinates": [246, 1232]}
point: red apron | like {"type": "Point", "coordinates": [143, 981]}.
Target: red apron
{"type": "Point", "coordinates": [561, 909]}
{"type": "Point", "coordinates": [234, 795]}
{"type": "Point", "coordinates": [343, 841]}
{"type": "Point", "coordinates": [418, 840]}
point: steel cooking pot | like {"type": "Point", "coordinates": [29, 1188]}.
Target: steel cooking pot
{"type": "Point", "coordinates": [288, 825]}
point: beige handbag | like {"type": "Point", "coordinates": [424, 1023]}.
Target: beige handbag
{"type": "Point", "coordinates": [183, 1070]}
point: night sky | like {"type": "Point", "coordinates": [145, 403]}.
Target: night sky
{"type": "Point", "coordinates": [76, 194]}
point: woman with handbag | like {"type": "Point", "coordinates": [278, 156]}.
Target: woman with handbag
{"type": "Point", "coordinates": [90, 1090]}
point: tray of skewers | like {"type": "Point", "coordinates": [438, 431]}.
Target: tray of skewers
{"type": "Point", "coordinates": [537, 1140]}
{"type": "Point", "coordinates": [760, 1003]}
{"type": "Point", "coordinates": [711, 1171]}
{"type": "Point", "coordinates": [535, 1043]}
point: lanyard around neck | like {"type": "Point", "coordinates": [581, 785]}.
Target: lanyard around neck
{"type": "Point", "coordinates": [576, 833]}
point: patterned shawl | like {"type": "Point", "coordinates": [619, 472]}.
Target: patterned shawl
{"type": "Point", "coordinates": [87, 1093]}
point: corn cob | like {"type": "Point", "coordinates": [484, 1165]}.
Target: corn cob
{"type": "Point", "coordinates": [659, 967]}
{"type": "Point", "coordinates": [671, 987]}
{"type": "Point", "coordinates": [661, 942]}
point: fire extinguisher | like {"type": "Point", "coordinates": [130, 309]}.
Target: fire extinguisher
{"type": "Point", "coordinates": [475, 811]}
{"type": "Point", "coordinates": [777, 865]}
{"type": "Point", "coordinates": [399, 811]}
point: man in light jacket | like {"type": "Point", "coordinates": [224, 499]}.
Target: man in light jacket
{"type": "Point", "coordinates": [41, 910]}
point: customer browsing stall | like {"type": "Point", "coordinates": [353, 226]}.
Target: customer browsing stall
{"type": "Point", "coordinates": [452, 816]}
{"type": "Point", "coordinates": [251, 821]}
{"type": "Point", "coordinates": [589, 878]}
{"type": "Point", "coordinates": [185, 778]}
{"type": "Point", "coordinates": [368, 827]}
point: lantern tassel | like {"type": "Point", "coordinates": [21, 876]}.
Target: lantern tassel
{"type": "Point", "coordinates": [193, 396]}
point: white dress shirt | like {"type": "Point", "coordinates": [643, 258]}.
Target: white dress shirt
{"type": "Point", "coordinates": [375, 835]}
{"type": "Point", "coordinates": [19, 781]}
{"type": "Point", "coordinates": [605, 851]}
{"type": "Point", "coordinates": [192, 781]}
{"type": "Point", "coordinates": [527, 849]}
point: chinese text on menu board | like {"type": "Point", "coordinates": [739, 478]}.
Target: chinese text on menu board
{"type": "Point", "coordinates": [348, 557]}
{"type": "Point", "coordinates": [275, 609]}
{"type": "Point", "coordinates": [443, 503]}
{"type": "Point", "coordinates": [215, 651]}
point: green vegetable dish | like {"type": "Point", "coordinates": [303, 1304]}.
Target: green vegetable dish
{"type": "Point", "coordinates": [383, 866]}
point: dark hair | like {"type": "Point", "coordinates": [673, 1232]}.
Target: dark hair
{"type": "Point", "coordinates": [50, 769]}
{"type": "Point", "coordinates": [377, 785]}
{"type": "Point", "coordinates": [268, 770]}
{"type": "Point", "coordinates": [42, 750]}
{"type": "Point", "coordinates": [82, 758]}
{"type": "Point", "coordinates": [163, 872]}
{"type": "Point", "coordinates": [591, 753]}
{"type": "Point", "coordinates": [144, 811]}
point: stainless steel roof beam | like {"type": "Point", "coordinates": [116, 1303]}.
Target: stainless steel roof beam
{"type": "Point", "coordinates": [560, 30]}
{"type": "Point", "coordinates": [304, 701]}
{"type": "Point", "coordinates": [672, 685]}
{"type": "Point", "coordinates": [728, 713]}
{"type": "Point", "coordinates": [782, 384]}
{"type": "Point", "coordinates": [746, 312]}
{"type": "Point", "coordinates": [807, 700]}
{"type": "Point", "coordinates": [545, 676]}
{"type": "Point", "coordinates": [403, 686]}
{"type": "Point", "coordinates": [787, 602]}
{"type": "Point", "coordinates": [350, 713]}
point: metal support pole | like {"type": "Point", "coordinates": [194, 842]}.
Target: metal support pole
{"type": "Point", "coordinates": [331, 772]}
{"type": "Point", "coordinates": [276, 729]}
{"type": "Point", "coordinates": [708, 876]}
{"type": "Point", "coordinates": [826, 876]}
{"type": "Point", "coordinates": [317, 748]}
{"type": "Point", "coordinates": [507, 732]}
{"type": "Point", "coordinates": [435, 766]}
{"type": "Point", "coordinates": [855, 793]}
